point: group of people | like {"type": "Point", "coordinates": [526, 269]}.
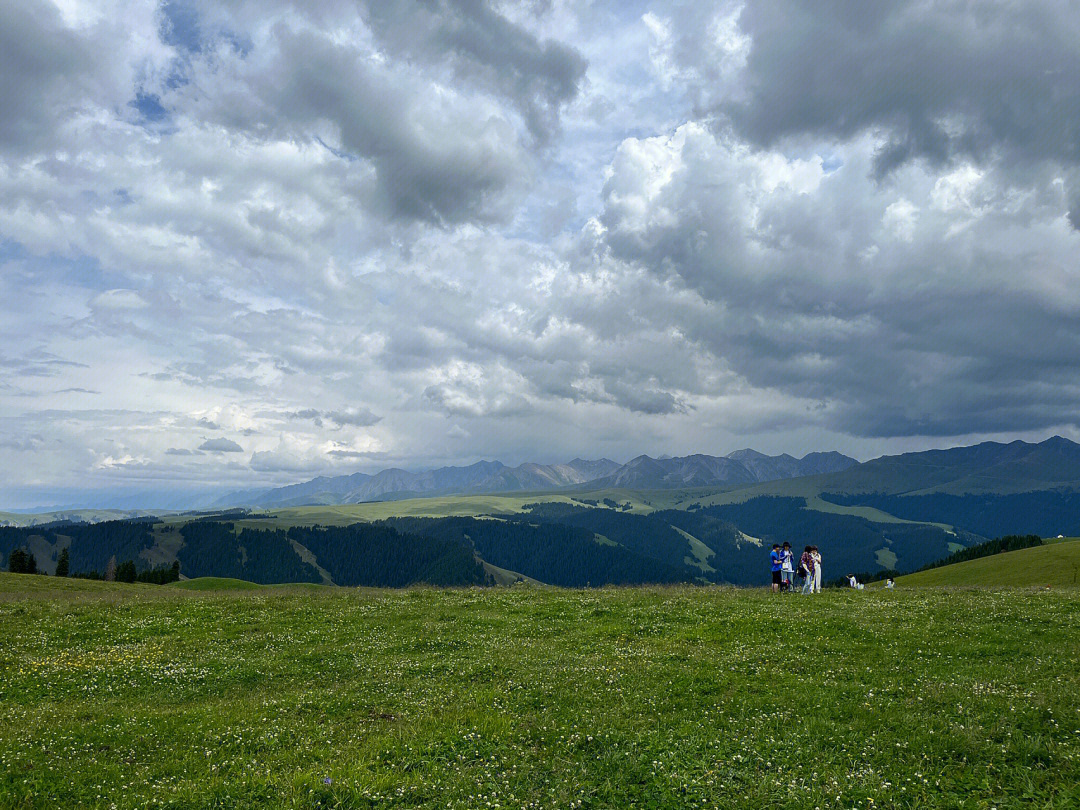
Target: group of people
{"type": "Point", "coordinates": [784, 569]}
{"type": "Point", "coordinates": [809, 570]}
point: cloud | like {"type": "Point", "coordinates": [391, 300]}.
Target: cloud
{"type": "Point", "coordinates": [22, 443]}
{"type": "Point", "coordinates": [361, 234]}
{"type": "Point", "coordinates": [433, 133]}
{"type": "Point", "coordinates": [481, 44]}
{"type": "Point", "coordinates": [642, 400]}
{"type": "Point", "coordinates": [468, 389]}
{"type": "Point", "coordinates": [119, 300]}
{"type": "Point", "coordinates": [123, 461]}
{"type": "Point", "coordinates": [873, 300]}
{"type": "Point", "coordinates": [61, 67]}
{"type": "Point", "coordinates": [355, 417]}
{"type": "Point", "coordinates": [363, 448]}
{"type": "Point", "coordinates": [942, 82]}
{"type": "Point", "coordinates": [288, 457]}
{"type": "Point", "coordinates": [38, 363]}
{"type": "Point", "coordinates": [221, 446]}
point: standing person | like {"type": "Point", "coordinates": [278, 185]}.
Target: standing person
{"type": "Point", "coordinates": [787, 567]}
{"type": "Point", "coordinates": [816, 555]}
{"type": "Point", "coordinates": [806, 568]}
{"type": "Point", "coordinates": [774, 557]}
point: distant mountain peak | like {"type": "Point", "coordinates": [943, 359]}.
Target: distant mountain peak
{"type": "Point", "coordinates": [642, 472]}
{"type": "Point", "coordinates": [746, 452]}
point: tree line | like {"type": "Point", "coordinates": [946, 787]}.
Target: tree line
{"type": "Point", "coordinates": [22, 561]}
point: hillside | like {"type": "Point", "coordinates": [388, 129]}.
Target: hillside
{"type": "Point", "coordinates": [1056, 565]}
{"type": "Point", "coordinates": [896, 512]}
{"type": "Point", "coordinates": [75, 516]}
{"type": "Point", "coordinates": [565, 541]}
{"type": "Point", "coordinates": [990, 489]}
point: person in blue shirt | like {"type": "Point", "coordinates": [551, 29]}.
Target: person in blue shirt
{"type": "Point", "coordinates": [777, 564]}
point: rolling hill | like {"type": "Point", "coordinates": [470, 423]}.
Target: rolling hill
{"type": "Point", "coordinates": [1056, 565]}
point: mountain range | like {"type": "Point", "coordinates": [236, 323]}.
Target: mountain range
{"type": "Point", "coordinates": [595, 522]}
{"type": "Point", "coordinates": [738, 468]}
{"type": "Point", "coordinates": [988, 468]}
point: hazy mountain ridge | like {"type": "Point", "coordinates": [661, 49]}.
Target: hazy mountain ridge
{"type": "Point", "coordinates": [483, 476]}
{"type": "Point", "coordinates": [991, 468]}
{"type": "Point", "coordinates": [988, 467]}
{"type": "Point", "coordinates": [643, 472]}
{"type": "Point", "coordinates": [741, 467]}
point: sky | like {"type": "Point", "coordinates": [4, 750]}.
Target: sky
{"type": "Point", "coordinates": [247, 243]}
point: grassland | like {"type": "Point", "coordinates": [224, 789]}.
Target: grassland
{"type": "Point", "coordinates": [641, 502]}
{"type": "Point", "coordinates": [1055, 565]}
{"type": "Point", "coordinates": [140, 696]}
{"type": "Point", "coordinates": [89, 515]}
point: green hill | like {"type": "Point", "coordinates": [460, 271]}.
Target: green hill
{"type": "Point", "coordinates": [216, 584]}
{"type": "Point", "coordinates": [17, 586]}
{"type": "Point", "coordinates": [1055, 564]}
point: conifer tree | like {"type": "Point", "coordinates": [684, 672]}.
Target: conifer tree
{"type": "Point", "coordinates": [17, 561]}
{"type": "Point", "coordinates": [125, 572]}
{"type": "Point", "coordinates": [63, 563]}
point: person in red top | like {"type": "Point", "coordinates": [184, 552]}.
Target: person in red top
{"type": "Point", "coordinates": [806, 568]}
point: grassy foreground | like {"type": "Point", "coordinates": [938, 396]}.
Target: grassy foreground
{"type": "Point", "coordinates": [137, 696]}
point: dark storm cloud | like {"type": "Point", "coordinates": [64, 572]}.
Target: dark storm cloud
{"type": "Point", "coordinates": [642, 400]}
{"type": "Point", "coordinates": [481, 45]}
{"type": "Point", "coordinates": [898, 317]}
{"type": "Point", "coordinates": [436, 124]}
{"type": "Point", "coordinates": [43, 68]}
{"type": "Point", "coordinates": [54, 72]}
{"type": "Point", "coordinates": [942, 79]}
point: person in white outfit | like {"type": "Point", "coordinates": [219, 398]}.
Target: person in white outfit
{"type": "Point", "coordinates": [815, 555]}
{"type": "Point", "coordinates": [787, 568]}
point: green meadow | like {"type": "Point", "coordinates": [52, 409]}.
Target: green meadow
{"type": "Point", "coordinates": [134, 696]}
{"type": "Point", "coordinates": [1055, 565]}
